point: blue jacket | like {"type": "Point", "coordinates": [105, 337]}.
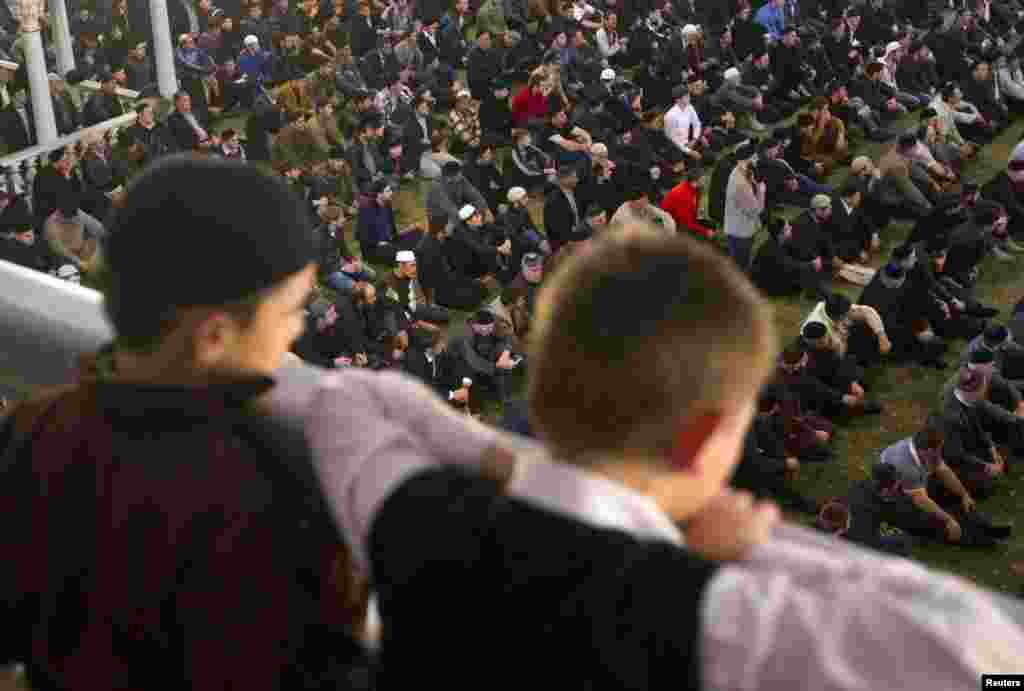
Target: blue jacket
{"type": "Point", "coordinates": [772, 19]}
{"type": "Point", "coordinates": [376, 224]}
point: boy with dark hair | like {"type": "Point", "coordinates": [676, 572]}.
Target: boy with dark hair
{"type": "Point", "coordinates": [157, 522]}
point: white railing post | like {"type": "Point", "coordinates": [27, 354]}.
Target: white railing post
{"type": "Point", "coordinates": [39, 88]}
{"type": "Point", "coordinates": [62, 36]}
{"type": "Point", "coordinates": [163, 49]}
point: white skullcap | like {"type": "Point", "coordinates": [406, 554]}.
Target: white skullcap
{"type": "Point", "coordinates": [251, 40]}
{"type": "Point", "coordinates": [732, 73]}
{"type": "Point", "coordinates": [405, 256]}
{"type": "Point", "coordinates": [608, 75]}
{"type": "Point", "coordinates": [466, 212]}
{"type": "Point", "coordinates": [690, 29]}
{"type": "Point", "coordinates": [516, 193]}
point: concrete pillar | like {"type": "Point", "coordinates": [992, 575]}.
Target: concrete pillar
{"type": "Point", "coordinates": [62, 36]}
{"type": "Point", "coordinates": [163, 48]}
{"type": "Point", "coordinates": [39, 88]}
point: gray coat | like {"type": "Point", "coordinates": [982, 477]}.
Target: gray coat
{"type": "Point", "coordinates": [735, 97]}
{"type": "Point", "coordinates": [445, 197]}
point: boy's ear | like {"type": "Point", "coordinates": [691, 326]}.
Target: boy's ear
{"type": "Point", "coordinates": [691, 437]}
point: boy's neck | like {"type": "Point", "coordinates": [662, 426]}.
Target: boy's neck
{"type": "Point", "coordinates": [667, 488]}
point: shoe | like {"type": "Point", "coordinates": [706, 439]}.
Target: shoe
{"type": "Point", "coordinates": [1001, 255]}
{"type": "Point", "coordinates": [976, 539]}
{"type": "Point", "coordinates": [871, 408]}
{"type": "Point", "coordinates": [998, 531]}
{"type": "Point", "coordinates": [982, 312]}
{"type": "Point", "coordinates": [759, 126]}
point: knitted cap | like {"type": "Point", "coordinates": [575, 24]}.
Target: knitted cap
{"type": "Point", "coordinates": [252, 234]}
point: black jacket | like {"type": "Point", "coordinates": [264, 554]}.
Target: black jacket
{"type": "Point", "coordinates": [34, 256]}
{"type": "Point", "coordinates": [13, 130]}
{"type": "Point", "coordinates": [559, 219]}
{"type": "Point", "coordinates": [442, 283]}
{"type": "Point", "coordinates": [1001, 189]}
{"type": "Point", "coordinates": [101, 107]}
{"type": "Point", "coordinates": [482, 67]}
{"type": "Point", "coordinates": [587, 603]}
{"type": "Point", "coordinates": [185, 138]}
{"type": "Point", "coordinates": [495, 116]}
{"type": "Point", "coordinates": [775, 270]}
{"type": "Point", "coordinates": [177, 582]}
{"type": "Point", "coordinates": [811, 239]}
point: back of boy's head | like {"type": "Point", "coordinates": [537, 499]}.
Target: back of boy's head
{"type": "Point", "coordinates": [213, 250]}
{"type": "Point", "coordinates": [637, 335]}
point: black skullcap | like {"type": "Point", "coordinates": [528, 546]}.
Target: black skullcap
{"type": "Point", "coordinates": [812, 331]}
{"type": "Point", "coordinates": [250, 235]}
{"type": "Point", "coordinates": [996, 334]}
{"type": "Point", "coordinates": [884, 476]}
{"type": "Point", "coordinates": [949, 89]}
{"type": "Point", "coordinates": [483, 317]}
{"type": "Point", "coordinates": [451, 168]}
{"type": "Point", "coordinates": [680, 91]}
{"type": "Point", "coordinates": [371, 122]}
{"type": "Point", "coordinates": [981, 356]}
{"type": "Point", "coordinates": [907, 140]}
{"type": "Point", "coordinates": [986, 213]}
{"type": "Point", "coordinates": [969, 185]}
{"type": "Point", "coordinates": [57, 154]}
{"type": "Point", "coordinates": [837, 306]}
{"type": "Point", "coordinates": [903, 251]}
{"type": "Point", "coordinates": [17, 217]}
{"type": "Point", "coordinates": [938, 244]}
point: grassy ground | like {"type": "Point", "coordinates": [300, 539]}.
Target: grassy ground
{"type": "Point", "coordinates": [908, 393]}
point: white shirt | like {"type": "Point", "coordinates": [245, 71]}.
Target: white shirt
{"type": "Point", "coordinates": [678, 125]}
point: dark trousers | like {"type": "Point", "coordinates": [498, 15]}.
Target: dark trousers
{"type": "Point", "coordinates": [740, 249]}
{"type": "Point", "coordinates": [385, 253]}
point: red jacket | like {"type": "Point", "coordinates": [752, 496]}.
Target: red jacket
{"type": "Point", "coordinates": [527, 105]}
{"type": "Point", "coordinates": [681, 204]}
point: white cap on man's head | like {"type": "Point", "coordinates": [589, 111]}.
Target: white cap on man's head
{"type": "Point", "coordinates": [405, 256]}
{"type": "Point", "coordinates": [516, 193]}
{"type": "Point", "coordinates": [251, 40]}
{"type": "Point", "coordinates": [608, 75]}
{"type": "Point", "coordinates": [731, 74]}
{"type": "Point", "coordinates": [466, 212]}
